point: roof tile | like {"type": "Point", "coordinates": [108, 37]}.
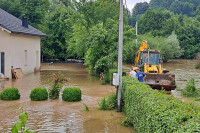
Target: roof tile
{"type": "Point", "coordinates": [13, 24]}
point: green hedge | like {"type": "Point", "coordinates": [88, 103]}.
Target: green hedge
{"type": "Point", "coordinates": [72, 94]}
{"type": "Point", "coordinates": [10, 94]}
{"type": "Point", "coordinates": [39, 94]}
{"type": "Point", "coordinates": [154, 112]}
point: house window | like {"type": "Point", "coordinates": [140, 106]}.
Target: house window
{"type": "Point", "coordinates": [25, 61]}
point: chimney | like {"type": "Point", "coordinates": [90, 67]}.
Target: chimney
{"type": "Point", "coordinates": [25, 22]}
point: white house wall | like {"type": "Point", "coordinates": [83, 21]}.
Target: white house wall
{"type": "Point", "coordinates": [14, 47]}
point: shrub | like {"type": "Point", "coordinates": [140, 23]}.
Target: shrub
{"type": "Point", "coordinates": [39, 94]}
{"type": "Point", "coordinates": [72, 94]}
{"type": "Point", "coordinates": [108, 104]}
{"type": "Point", "coordinates": [102, 104]}
{"type": "Point", "coordinates": [197, 66]}
{"type": "Point", "coordinates": [151, 111]}
{"type": "Point", "coordinates": [10, 94]}
{"type": "Point", "coordinates": [190, 90]}
{"type": "Point", "coordinates": [57, 81]}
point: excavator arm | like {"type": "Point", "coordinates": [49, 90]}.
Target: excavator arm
{"type": "Point", "coordinates": [143, 46]}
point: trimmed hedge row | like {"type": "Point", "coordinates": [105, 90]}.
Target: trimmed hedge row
{"type": "Point", "coordinates": [154, 112]}
{"type": "Point", "coordinates": [70, 94]}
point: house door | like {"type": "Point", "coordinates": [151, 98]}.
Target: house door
{"type": "Point", "coordinates": [2, 64]}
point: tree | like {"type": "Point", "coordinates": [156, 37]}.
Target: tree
{"type": "Point", "coordinates": [171, 47]}
{"type": "Point", "coordinates": [160, 4]}
{"type": "Point", "coordinates": [198, 13]}
{"type": "Point", "coordinates": [140, 8]}
{"type": "Point", "coordinates": [59, 32]}
{"type": "Point", "coordinates": [35, 10]}
{"type": "Point", "coordinates": [153, 20]}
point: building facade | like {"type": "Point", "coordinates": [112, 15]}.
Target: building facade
{"type": "Point", "coordinates": [19, 45]}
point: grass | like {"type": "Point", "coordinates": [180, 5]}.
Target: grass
{"type": "Point", "coordinates": [86, 107]}
{"type": "Point", "coordinates": [109, 103]}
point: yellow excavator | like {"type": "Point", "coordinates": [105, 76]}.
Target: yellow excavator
{"type": "Point", "coordinates": [149, 61]}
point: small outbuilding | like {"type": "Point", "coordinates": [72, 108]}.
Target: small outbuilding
{"type": "Point", "coordinates": [19, 45]}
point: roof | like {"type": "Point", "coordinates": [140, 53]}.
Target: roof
{"type": "Point", "coordinates": [14, 25]}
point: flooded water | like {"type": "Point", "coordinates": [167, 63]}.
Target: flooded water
{"type": "Point", "coordinates": [184, 70]}
{"type": "Point", "coordinates": [58, 116]}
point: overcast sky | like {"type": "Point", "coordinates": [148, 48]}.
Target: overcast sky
{"type": "Point", "coordinates": [131, 3]}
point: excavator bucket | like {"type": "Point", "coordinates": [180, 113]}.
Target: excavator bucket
{"type": "Point", "coordinates": [161, 81]}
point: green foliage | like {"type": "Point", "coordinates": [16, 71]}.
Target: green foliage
{"type": "Point", "coordinates": [190, 90]}
{"type": "Point", "coordinates": [153, 112]}
{"type": "Point", "coordinates": [72, 94]}
{"type": "Point", "coordinates": [161, 24]}
{"type": "Point", "coordinates": [39, 94]}
{"type": "Point", "coordinates": [57, 80]}
{"type": "Point", "coordinates": [102, 104]}
{"type": "Point", "coordinates": [103, 45]}
{"type": "Point", "coordinates": [59, 29]}
{"type": "Point", "coordinates": [186, 7]}
{"type": "Point", "coordinates": [126, 122]}
{"type": "Point", "coordinates": [198, 13]}
{"type": "Point", "coordinates": [171, 47]}
{"type": "Point", "coordinates": [35, 10]}
{"type": "Point", "coordinates": [19, 125]}
{"type": "Point", "coordinates": [153, 21]}
{"type": "Point", "coordinates": [168, 46]}
{"type": "Point", "coordinates": [109, 103]}
{"type": "Point", "coordinates": [10, 94]}
{"type": "Point", "coordinates": [140, 8]}
{"type": "Point", "coordinates": [86, 107]}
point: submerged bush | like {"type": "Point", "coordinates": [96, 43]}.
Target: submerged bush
{"type": "Point", "coordinates": [39, 94]}
{"type": "Point", "coordinates": [153, 112]}
{"type": "Point", "coordinates": [72, 94]}
{"type": "Point", "coordinates": [10, 94]}
{"type": "Point", "coordinates": [190, 90]}
{"type": "Point", "coordinates": [197, 66]}
{"type": "Point", "coordinates": [57, 81]}
{"type": "Point", "coordinates": [108, 104]}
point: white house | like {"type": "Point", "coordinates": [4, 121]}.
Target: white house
{"type": "Point", "coordinates": [19, 44]}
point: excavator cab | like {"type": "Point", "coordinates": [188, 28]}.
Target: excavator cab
{"type": "Point", "coordinates": [149, 61]}
{"type": "Point", "coordinates": [150, 58]}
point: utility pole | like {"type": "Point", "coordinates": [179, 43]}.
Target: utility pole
{"type": "Point", "coordinates": [136, 27]}
{"type": "Point", "coordinates": [120, 47]}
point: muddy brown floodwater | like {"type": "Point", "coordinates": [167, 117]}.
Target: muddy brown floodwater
{"type": "Point", "coordinates": [58, 116]}
{"type": "Point", "coordinates": [184, 70]}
